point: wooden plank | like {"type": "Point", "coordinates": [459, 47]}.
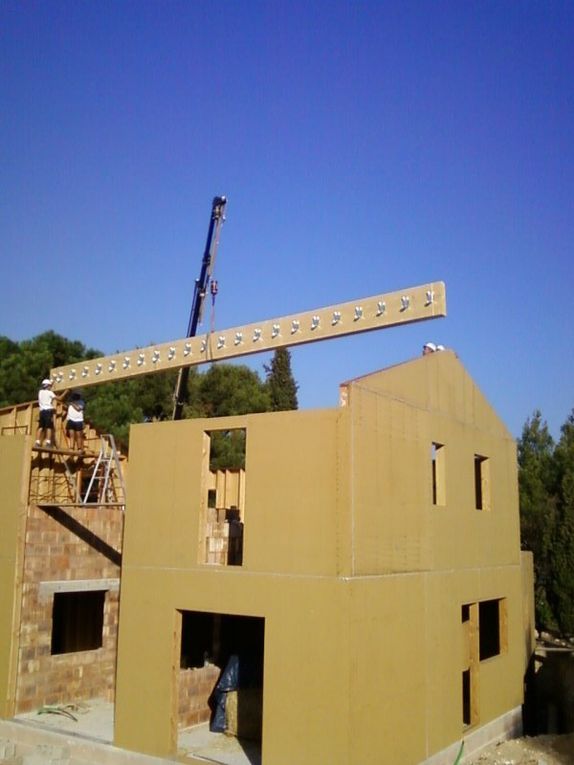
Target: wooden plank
{"type": "Point", "coordinates": [60, 450]}
{"type": "Point", "coordinates": [503, 624]}
{"type": "Point", "coordinates": [363, 315]}
{"type": "Point", "coordinates": [474, 650]}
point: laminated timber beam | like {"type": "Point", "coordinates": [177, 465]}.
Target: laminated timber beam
{"type": "Point", "coordinates": [427, 301]}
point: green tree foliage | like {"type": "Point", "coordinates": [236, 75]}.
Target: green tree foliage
{"type": "Point", "coordinates": [24, 365]}
{"type": "Point", "coordinates": [221, 391]}
{"type": "Point", "coordinates": [112, 407]}
{"type": "Point", "coordinates": [538, 512]}
{"type": "Point", "coordinates": [562, 596]}
{"type": "Point", "coordinates": [546, 482]}
{"type": "Point", "coordinates": [227, 389]}
{"type": "Point", "coordinates": [227, 450]}
{"type": "Point", "coordinates": [280, 382]}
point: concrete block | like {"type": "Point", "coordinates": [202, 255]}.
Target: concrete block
{"type": "Point", "coordinates": [7, 749]}
{"type": "Point", "coordinates": [47, 754]}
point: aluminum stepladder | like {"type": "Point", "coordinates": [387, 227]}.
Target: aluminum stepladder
{"type": "Point", "coordinates": [102, 482]}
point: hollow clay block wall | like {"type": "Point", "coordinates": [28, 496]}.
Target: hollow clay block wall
{"type": "Point", "coordinates": [195, 687]}
{"type": "Point", "coordinates": [217, 537]}
{"type": "Point", "coordinates": [54, 553]}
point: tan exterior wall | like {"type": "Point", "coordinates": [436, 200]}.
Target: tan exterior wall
{"type": "Point", "coordinates": [356, 668]}
{"type": "Point", "coordinates": [361, 578]}
{"type": "Point", "coordinates": [500, 678]}
{"type": "Point", "coordinates": [283, 517]}
{"type": "Point", "coordinates": [14, 467]}
{"type": "Point", "coordinates": [302, 646]}
{"type": "Point", "coordinates": [406, 660]}
{"type": "Point", "coordinates": [528, 608]}
{"type": "Point", "coordinates": [395, 418]}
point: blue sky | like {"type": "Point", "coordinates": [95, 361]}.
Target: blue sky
{"type": "Point", "coordinates": [363, 146]}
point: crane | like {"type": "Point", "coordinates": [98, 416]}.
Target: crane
{"type": "Point", "coordinates": [200, 291]}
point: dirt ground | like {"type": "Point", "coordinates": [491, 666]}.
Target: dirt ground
{"type": "Point", "coordinates": [539, 750]}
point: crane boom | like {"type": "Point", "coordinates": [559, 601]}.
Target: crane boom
{"type": "Point", "coordinates": [201, 285]}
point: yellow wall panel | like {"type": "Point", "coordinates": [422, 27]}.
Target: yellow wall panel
{"type": "Point", "coordinates": [14, 474]}
{"type": "Point", "coordinates": [360, 578]}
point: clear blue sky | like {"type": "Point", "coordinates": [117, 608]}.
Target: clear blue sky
{"type": "Point", "coordinates": [363, 146]}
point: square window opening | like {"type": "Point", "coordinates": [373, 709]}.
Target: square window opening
{"type": "Point", "coordinates": [227, 449]}
{"type": "Point", "coordinates": [77, 621]}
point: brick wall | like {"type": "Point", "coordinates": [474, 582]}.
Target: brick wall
{"type": "Point", "coordinates": [216, 537]}
{"type": "Point", "coordinates": [71, 549]}
{"type": "Point", "coordinates": [195, 687]}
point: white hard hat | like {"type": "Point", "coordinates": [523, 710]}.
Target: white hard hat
{"type": "Point", "coordinates": [431, 346]}
{"type": "Point", "coordinates": [46, 382]}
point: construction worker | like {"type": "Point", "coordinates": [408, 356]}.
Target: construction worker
{"type": "Point", "coordinates": [46, 402]}
{"type": "Point", "coordinates": [428, 348]}
{"type": "Point", "coordinates": [75, 423]}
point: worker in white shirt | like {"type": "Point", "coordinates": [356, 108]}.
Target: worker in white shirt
{"type": "Point", "coordinates": [75, 423]}
{"type": "Point", "coordinates": [47, 403]}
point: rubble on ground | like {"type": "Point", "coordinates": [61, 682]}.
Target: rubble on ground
{"type": "Point", "coordinates": [537, 750]}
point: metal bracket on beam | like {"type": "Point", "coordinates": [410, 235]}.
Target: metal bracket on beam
{"type": "Point", "coordinates": [377, 312]}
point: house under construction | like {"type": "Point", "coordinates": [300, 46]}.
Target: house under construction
{"type": "Point", "coordinates": [363, 572]}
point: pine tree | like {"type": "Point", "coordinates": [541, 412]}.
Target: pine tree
{"type": "Point", "coordinates": [280, 382]}
{"type": "Point", "coordinates": [562, 592]}
{"type": "Point", "coordinates": [538, 510]}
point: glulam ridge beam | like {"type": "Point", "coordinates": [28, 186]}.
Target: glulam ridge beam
{"type": "Point", "coordinates": [427, 301]}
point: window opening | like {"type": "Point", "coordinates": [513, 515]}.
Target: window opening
{"type": "Point", "coordinates": [484, 635]}
{"type": "Point", "coordinates": [227, 449]}
{"type": "Point", "coordinates": [466, 715]}
{"type": "Point", "coordinates": [481, 482]}
{"type": "Point", "coordinates": [438, 474]}
{"type": "Point", "coordinates": [77, 621]}
{"type": "Point", "coordinates": [470, 664]}
{"type": "Point", "coordinates": [224, 497]}
{"type": "Point", "coordinates": [489, 620]}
